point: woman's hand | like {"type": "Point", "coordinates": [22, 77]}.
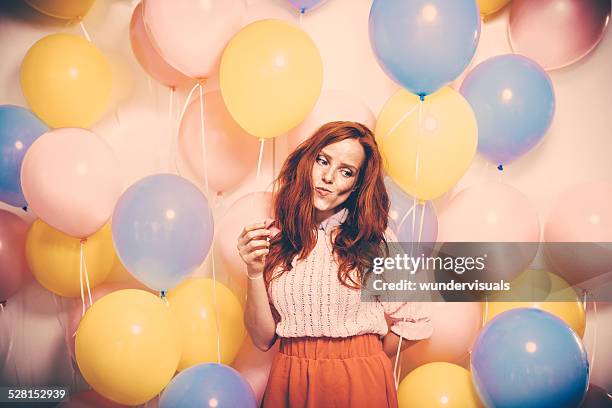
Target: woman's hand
{"type": "Point", "coordinates": [253, 246]}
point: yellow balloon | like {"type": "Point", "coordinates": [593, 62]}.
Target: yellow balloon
{"type": "Point", "coordinates": [271, 76]}
{"type": "Point", "coordinates": [66, 9]}
{"type": "Point", "coordinates": [66, 81]}
{"type": "Point", "coordinates": [542, 290]}
{"type": "Point", "coordinates": [491, 6]}
{"type": "Point", "coordinates": [128, 346]}
{"type": "Point", "coordinates": [193, 304]}
{"type": "Point", "coordinates": [426, 149]}
{"type": "Point", "coordinates": [54, 258]}
{"type": "Point", "coordinates": [439, 384]}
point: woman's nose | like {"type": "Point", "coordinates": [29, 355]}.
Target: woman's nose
{"type": "Point", "coordinates": [328, 176]}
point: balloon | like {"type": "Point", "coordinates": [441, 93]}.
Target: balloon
{"type": "Point", "coordinates": [148, 57]}
{"type": "Point", "coordinates": [66, 81]}
{"type": "Point", "coordinates": [438, 384]}
{"type": "Point", "coordinates": [231, 153]}
{"type": "Point", "coordinates": [190, 34]}
{"type": "Point", "coordinates": [529, 358]}
{"type": "Point", "coordinates": [54, 258]}
{"type": "Point", "coordinates": [70, 177]}
{"type": "Point", "coordinates": [598, 343]}
{"type": "Point", "coordinates": [427, 149]}
{"type": "Point", "coordinates": [332, 106]}
{"type": "Point", "coordinates": [247, 210]}
{"type": "Point", "coordinates": [494, 219]}
{"type": "Point", "coordinates": [162, 230]}
{"type": "Point", "coordinates": [557, 33]}
{"type": "Point", "coordinates": [488, 7]}
{"type": "Point", "coordinates": [456, 326]}
{"type": "Point", "coordinates": [65, 9]}
{"type": "Point", "coordinates": [514, 103]}
{"type": "Point", "coordinates": [270, 77]}
{"type": "Point", "coordinates": [401, 216]}
{"type": "Point", "coordinates": [424, 44]}
{"type": "Point", "coordinates": [541, 290]}
{"type": "Point", "coordinates": [254, 365]}
{"type": "Point", "coordinates": [596, 397]}
{"type": "Point", "coordinates": [214, 385]}
{"type": "Point", "coordinates": [305, 5]}
{"type": "Point", "coordinates": [578, 232]}
{"type": "Point", "coordinates": [13, 265]}
{"type": "Point", "coordinates": [128, 335]}
{"type": "Point", "coordinates": [193, 304]}
{"type": "Point", "coordinates": [76, 313]}
{"type": "Point", "coordinates": [19, 128]}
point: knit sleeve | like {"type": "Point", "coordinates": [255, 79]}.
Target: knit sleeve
{"type": "Point", "coordinates": [411, 320]}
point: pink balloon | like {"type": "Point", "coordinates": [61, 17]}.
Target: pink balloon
{"type": "Point", "coordinates": [70, 178]}
{"type": "Point", "coordinates": [556, 33]}
{"type": "Point", "coordinates": [13, 264]}
{"type": "Point", "coordinates": [149, 58]}
{"type": "Point", "coordinates": [491, 214]}
{"type": "Point", "coordinates": [456, 326]}
{"type": "Point", "coordinates": [581, 215]}
{"type": "Point", "coordinates": [75, 314]}
{"type": "Point", "coordinates": [597, 341]}
{"type": "Point", "coordinates": [250, 209]}
{"type": "Point", "coordinates": [231, 153]}
{"type": "Point", "coordinates": [331, 106]}
{"type": "Point", "coordinates": [191, 34]}
{"type": "Point", "coordinates": [254, 365]}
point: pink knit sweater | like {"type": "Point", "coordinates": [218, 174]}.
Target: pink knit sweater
{"type": "Point", "coordinates": [310, 301]}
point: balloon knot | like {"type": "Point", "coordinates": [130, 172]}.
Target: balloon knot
{"type": "Point", "coordinates": [163, 294]}
{"type": "Point", "coordinates": [3, 303]}
{"type": "Point", "coordinates": [83, 241]}
{"type": "Point", "coordinates": [500, 167]}
{"type": "Point", "coordinates": [303, 10]}
{"type": "Point", "coordinates": [25, 208]}
{"type": "Point", "coordinates": [422, 97]}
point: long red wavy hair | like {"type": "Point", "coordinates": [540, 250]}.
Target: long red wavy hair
{"type": "Point", "coordinates": [360, 237]}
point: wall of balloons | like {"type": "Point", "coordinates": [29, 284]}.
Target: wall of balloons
{"type": "Point", "coordinates": [138, 138]}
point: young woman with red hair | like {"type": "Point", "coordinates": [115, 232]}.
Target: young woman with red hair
{"type": "Point", "coordinates": [330, 217]}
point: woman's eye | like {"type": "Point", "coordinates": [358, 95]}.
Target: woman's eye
{"type": "Point", "coordinates": [347, 173]}
{"type": "Point", "coordinates": [321, 160]}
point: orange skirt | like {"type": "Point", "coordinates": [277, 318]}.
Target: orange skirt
{"type": "Point", "coordinates": [320, 372]}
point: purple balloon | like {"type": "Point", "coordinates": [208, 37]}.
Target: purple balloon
{"type": "Point", "coordinates": [556, 33]}
{"type": "Point", "coordinates": [306, 5]}
{"type": "Point", "coordinates": [401, 216]}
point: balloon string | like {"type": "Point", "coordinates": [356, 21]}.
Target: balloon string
{"type": "Point", "coordinates": [400, 121]}
{"type": "Point", "coordinates": [6, 317]}
{"type": "Point", "coordinates": [594, 334]}
{"type": "Point", "coordinates": [401, 223]}
{"type": "Point", "coordinates": [81, 281]}
{"type": "Point", "coordinates": [261, 147]}
{"type": "Point", "coordinates": [204, 156]}
{"type": "Point", "coordinates": [85, 33]}
{"type": "Point", "coordinates": [178, 125]}
{"type": "Point", "coordinates": [215, 296]}
{"type": "Point", "coordinates": [422, 219]}
{"type": "Point", "coordinates": [301, 18]}
{"type": "Point", "coordinates": [59, 304]}
{"type": "Point", "coordinates": [397, 365]}
{"type": "Point", "coordinates": [86, 273]}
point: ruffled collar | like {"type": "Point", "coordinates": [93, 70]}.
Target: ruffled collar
{"type": "Point", "coordinates": [333, 221]}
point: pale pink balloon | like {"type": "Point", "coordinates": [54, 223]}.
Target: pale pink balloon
{"type": "Point", "coordinates": [501, 220]}
{"type": "Point", "coordinates": [556, 33]}
{"type": "Point", "coordinates": [597, 341]}
{"type": "Point", "coordinates": [13, 265]}
{"type": "Point", "coordinates": [148, 57]}
{"type": "Point", "coordinates": [247, 210]}
{"type": "Point", "coordinates": [70, 178]}
{"type": "Point", "coordinates": [191, 34]}
{"type": "Point", "coordinates": [489, 212]}
{"type": "Point", "coordinates": [231, 153]}
{"type": "Point", "coordinates": [582, 221]}
{"type": "Point", "coordinates": [333, 105]}
{"type": "Point", "coordinates": [456, 326]}
{"type": "Point", "coordinates": [254, 365]}
{"type": "Point", "coordinates": [75, 314]}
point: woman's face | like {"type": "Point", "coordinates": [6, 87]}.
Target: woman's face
{"type": "Point", "coordinates": [334, 174]}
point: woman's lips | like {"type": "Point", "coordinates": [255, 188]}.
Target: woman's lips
{"type": "Point", "coordinates": [322, 192]}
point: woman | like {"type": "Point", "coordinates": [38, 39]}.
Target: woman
{"type": "Point", "coordinates": [330, 207]}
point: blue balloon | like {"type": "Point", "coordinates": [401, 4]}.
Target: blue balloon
{"type": "Point", "coordinates": [514, 103]}
{"type": "Point", "coordinates": [305, 5]}
{"type": "Point", "coordinates": [424, 44]}
{"type": "Point", "coordinates": [528, 358]}
{"type": "Point", "coordinates": [162, 230]}
{"type": "Point", "coordinates": [208, 385]}
{"type": "Point", "coordinates": [19, 128]}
